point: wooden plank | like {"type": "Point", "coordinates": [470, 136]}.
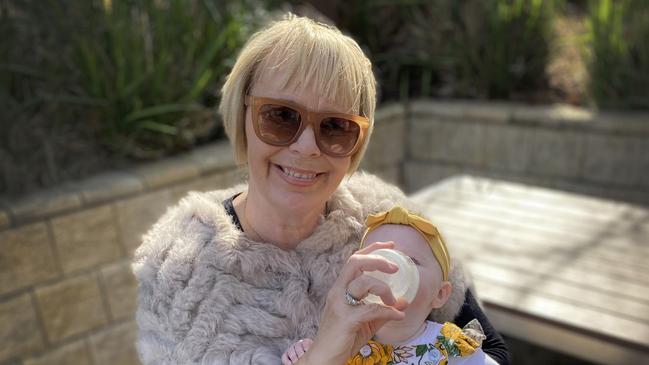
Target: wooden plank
{"type": "Point", "coordinates": [555, 336]}
{"type": "Point", "coordinates": [586, 226]}
{"type": "Point", "coordinates": [625, 217]}
{"type": "Point", "coordinates": [635, 242]}
{"type": "Point", "coordinates": [594, 322]}
{"type": "Point", "coordinates": [523, 240]}
{"type": "Point", "coordinates": [565, 271]}
{"type": "Point", "coordinates": [467, 244]}
{"type": "Point", "coordinates": [572, 293]}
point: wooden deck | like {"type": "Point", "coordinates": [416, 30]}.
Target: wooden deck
{"type": "Point", "coordinates": [561, 270]}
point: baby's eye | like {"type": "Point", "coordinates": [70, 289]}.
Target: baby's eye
{"type": "Point", "coordinates": [414, 260]}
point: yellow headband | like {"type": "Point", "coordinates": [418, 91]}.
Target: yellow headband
{"type": "Point", "coordinates": [399, 215]}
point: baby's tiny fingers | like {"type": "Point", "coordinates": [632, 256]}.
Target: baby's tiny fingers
{"type": "Point", "coordinates": [292, 354]}
{"type": "Point", "coordinates": [306, 343]}
{"type": "Point", "coordinates": [285, 360]}
{"type": "Point", "coordinates": [299, 350]}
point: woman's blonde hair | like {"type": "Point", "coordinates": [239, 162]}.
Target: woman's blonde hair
{"type": "Point", "coordinates": [312, 54]}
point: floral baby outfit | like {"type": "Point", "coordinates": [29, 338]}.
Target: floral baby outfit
{"type": "Point", "coordinates": [439, 344]}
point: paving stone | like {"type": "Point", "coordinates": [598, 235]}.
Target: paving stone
{"type": "Point", "coordinates": [44, 204]}
{"type": "Point", "coordinates": [437, 109]}
{"type": "Point", "coordinates": [214, 157]}
{"type": "Point", "coordinates": [386, 146]}
{"type": "Point", "coordinates": [71, 307]}
{"type": "Point", "coordinates": [389, 112]}
{"type": "Point", "coordinates": [615, 159]}
{"type": "Point", "coordinates": [86, 238]}
{"type": "Point", "coordinates": [418, 175]}
{"type": "Point", "coordinates": [115, 345]}
{"type": "Point", "coordinates": [555, 152]}
{"type": "Point", "coordinates": [232, 178]}
{"type": "Point", "coordinates": [508, 147]}
{"type": "Point", "coordinates": [20, 333]}
{"type": "Point", "coordinates": [75, 353]}
{"type": "Point", "coordinates": [136, 215]}
{"type": "Point", "coordinates": [4, 219]}
{"type": "Point", "coordinates": [391, 174]}
{"type": "Point", "coordinates": [555, 114]}
{"type": "Point", "coordinates": [499, 112]}
{"type": "Point", "coordinates": [26, 257]}
{"type": "Point", "coordinates": [445, 140]}
{"type": "Point", "coordinates": [167, 172]}
{"type": "Point", "coordinates": [121, 290]}
{"type": "Point", "coordinates": [109, 186]}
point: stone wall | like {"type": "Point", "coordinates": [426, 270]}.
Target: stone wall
{"type": "Point", "coordinates": [562, 147]}
{"type": "Point", "coordinates": [67, 294]}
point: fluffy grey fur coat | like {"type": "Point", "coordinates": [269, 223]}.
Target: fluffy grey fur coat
{"type": "Point", "coordinates": [209, 295]}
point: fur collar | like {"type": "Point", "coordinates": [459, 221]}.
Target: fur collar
{"type": "Point", "coordinates": [207, 293]}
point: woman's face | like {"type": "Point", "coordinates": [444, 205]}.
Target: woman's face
{"type": "Point", "coordinates": [298, 177]}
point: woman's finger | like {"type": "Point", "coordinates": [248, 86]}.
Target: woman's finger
{"type": "Point", "coordinates": [375, 246]}
{"type": "Point", "coordinates": [358, 263]}
{"type": "Point", "coordinates": [363, 285]}
{"type": "Point", "coordinates": [379, 314]}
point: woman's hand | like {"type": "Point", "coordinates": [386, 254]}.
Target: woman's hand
{"type": "Point", "coordinates": [344, 328]}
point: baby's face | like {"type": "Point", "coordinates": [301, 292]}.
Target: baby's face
{"type": "Point", "coordinates": [409, 241]}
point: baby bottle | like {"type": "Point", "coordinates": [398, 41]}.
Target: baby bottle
{"type": "Point", "coordinates": [404, 283]}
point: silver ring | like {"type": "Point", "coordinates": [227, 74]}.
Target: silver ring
{"type": "Point", "coordinates": [349, 299]}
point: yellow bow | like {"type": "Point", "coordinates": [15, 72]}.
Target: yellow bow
{"type": "Point", "coordinates": [399, 215]}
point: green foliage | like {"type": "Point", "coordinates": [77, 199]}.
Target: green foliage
{"type": "Point", "coordinates": [143, 73]}
{"type": "Point", "coordinates": [619, 63]}
{"type": "Point", "coordinates": [455, 48]}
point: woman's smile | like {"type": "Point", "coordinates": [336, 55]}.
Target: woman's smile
{"type": "Point", "coordinates": [297, 176]}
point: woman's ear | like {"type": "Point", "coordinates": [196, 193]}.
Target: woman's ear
{"type": "Point", "coordinates": [443, 293]}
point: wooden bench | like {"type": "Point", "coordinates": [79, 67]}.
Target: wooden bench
{"type": "Point", "coordinates": [561, 270]}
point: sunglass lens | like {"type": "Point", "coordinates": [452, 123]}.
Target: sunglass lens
{"type": "Point", "coordinates": [338, 136]}
{"type": "Point", "coordinates": [278, 123]}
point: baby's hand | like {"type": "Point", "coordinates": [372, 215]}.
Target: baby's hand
{"type": "Point", "coordinates": [295, 351]}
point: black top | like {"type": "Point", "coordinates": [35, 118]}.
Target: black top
{"type": "Point", "coordinates": [493, 345]}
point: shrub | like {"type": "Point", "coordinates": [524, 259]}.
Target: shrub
{"type": "Point", "coordinates": [143, 74]}
{"type": "Point", "coordinates": [467, 48]}
{"type": "Point", "coordinates": [619, 59]}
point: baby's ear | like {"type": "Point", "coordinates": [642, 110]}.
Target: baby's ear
{"type": "Point", "coordinates": [443, 293]}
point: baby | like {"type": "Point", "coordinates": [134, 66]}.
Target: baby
{"type": "Point", "coordinates": [414, 340]}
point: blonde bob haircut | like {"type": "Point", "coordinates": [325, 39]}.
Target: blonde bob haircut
{"type": "Point", "coordinates": [312, 54]}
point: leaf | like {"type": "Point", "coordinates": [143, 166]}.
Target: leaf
{"type": "Point", "coordinates": [161, 110]}
{"type": "Point", "coordinates": [420, 350]}
{"type": "Point", "coordinates": [158, 127]}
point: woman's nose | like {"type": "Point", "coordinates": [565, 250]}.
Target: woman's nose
{"type": "Point", "coordinates": [306, 144]}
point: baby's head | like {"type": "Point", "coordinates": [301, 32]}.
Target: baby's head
{"type": "Point", "coordinates": [417, 238]}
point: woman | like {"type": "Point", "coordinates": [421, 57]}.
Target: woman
{"type": "Point", "coordinates": [235, 276]}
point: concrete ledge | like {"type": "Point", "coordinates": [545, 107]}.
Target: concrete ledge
{"type": "Point", "coordinates": [558, 115]}
{"type": "Point", "coordinates": [113, 185]}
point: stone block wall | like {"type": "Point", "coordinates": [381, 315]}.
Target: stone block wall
{"type": "Point", "coordinates": [562, 147]}
{"type": "Point", "coordinates": [67, 293]}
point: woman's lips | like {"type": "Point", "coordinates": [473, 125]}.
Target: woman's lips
{"type": "Point", "coordinates": [298, 176]}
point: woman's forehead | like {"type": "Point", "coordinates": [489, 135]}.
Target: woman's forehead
{"type": "Point", "coordinates": [283, 80]}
